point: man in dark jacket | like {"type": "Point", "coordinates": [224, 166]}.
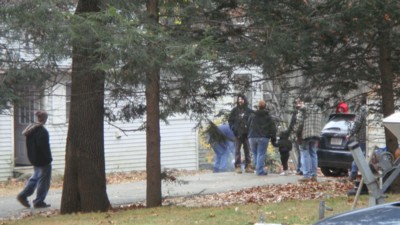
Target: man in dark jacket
{"type": "Point", "coordinates": [238, 122]}
{"type": "Point", "coordinates": [39, 154]}
{"type": "Point", "coordinates": [262, 129]}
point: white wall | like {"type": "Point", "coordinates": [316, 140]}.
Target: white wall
{"type": "Point", "coordinates": [6, 147]}
{"type": "Point", "coordinates": [128, 152]}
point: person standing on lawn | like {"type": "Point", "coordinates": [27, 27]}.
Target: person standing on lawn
{"type": "Point", "coordinates": [262, 128]}
{"type": "Point", "coordinates": [238, 122]}
{"type": "Point", "coordinates": [309, 124]}
{"type": "Point", "coordinates": [39, 154]}
{"type": "Point", "coordinates": [359, 132]}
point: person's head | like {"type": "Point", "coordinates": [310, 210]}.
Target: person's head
{"type": "Point", "coordinates": [262, 104]}
{"type": "Point", "coordinates": [41, 116]}
{"type": "Point", "coordinates": [296, 103]}
{"type": "Point", "coordinates": [241, 100]}
{"type": "Point", "coordinates": [340, 110]}
{"type": "Point", "coordinates": [307, 99]}
{"type": "Point", "coordinates": [299, 103]}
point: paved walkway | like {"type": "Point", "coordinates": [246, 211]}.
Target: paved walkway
{"type": "Point", "coordinates": [135, 192]}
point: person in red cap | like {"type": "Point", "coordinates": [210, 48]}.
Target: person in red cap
{"type": "Point", "coordinates": [342, 107]}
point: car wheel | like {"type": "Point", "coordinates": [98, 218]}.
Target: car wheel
{"type": "Point", "coordinates": [333, 172]}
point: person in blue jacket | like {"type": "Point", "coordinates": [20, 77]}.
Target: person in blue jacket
{"type": "Point", "coordinates": [224, 146]}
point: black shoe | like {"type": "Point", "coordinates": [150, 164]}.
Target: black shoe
{"type": "Point", "coordinates": [24, 201]}
{"type": "Point", "coordinates": [41, 205]}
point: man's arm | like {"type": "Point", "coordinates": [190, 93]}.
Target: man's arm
{"type": "Point", "coordinates": [299, 120]}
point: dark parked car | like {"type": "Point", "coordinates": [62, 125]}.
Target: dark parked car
{"type": "Point", "coordinates": [385, 214]}
{"type": "Point", "coordinates": [334, 158]}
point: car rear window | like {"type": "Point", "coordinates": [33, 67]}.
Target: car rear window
{"type": "Point", "coordinates": [339, 122]}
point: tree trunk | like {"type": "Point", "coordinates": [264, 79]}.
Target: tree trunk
{"type": "Point", "coordinates": [84, 187]}
{"type": "Point", "coordinates": [387, 85]}
{"type": "Point", "coordinates": [153, 162]}
{"type": "Point", "coordinates": [387, 95]}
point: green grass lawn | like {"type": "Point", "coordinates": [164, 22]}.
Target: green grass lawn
{"type": "Point", "coordinates": [288, 212]}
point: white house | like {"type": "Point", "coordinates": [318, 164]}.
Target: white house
{"type": "Point", "coordinates": [123, 152]}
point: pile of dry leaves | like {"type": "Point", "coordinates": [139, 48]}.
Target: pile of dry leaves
{"type": "Point", "coordinates": [270, 193]}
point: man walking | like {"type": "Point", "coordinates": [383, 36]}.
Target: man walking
{"type": "Point", "coordinates": [39, 154]}
{"type": "Point", "coordinates": [238, 122]}
{"type": "Point", "coordinates": [309, 124]}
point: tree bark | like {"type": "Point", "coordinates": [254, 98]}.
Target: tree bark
{"type": "Point", "coordinates": [84, 187]}
{"type": "Point", "coordinates": [153, 139]}
{"type": "Point", "coordinates": [153, 162]}
{"type": "Point", "coordinates": [387, 85]}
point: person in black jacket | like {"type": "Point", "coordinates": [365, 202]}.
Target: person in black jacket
{"type": "Point", "coordinates": [238, 122]}
{"type": "Point", "coordinates": [262, 129]}
{"type": "Point", "coordinates": [39, 154]}
{"type": "Point", "coordinates": [284, 145]}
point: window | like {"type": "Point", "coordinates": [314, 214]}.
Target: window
{"type": "Point", "coordinates": [27, 108]}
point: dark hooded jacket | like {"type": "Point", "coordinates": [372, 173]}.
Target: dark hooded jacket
{"type": "Point", "coordinates": [283, 144]}
{"type": "Point", "coordinates": [262, 125]}
{"type": "Point", "coordinates": [37, 145]}
{"type": "Point", "coordinates": [239, 117]}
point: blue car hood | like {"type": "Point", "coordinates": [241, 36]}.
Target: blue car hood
{"type": "Point", "coordinates": [384, 214]}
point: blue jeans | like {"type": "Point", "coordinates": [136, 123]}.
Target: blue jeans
{"type": "Point", "coordinates": [259, 148]}
{"type": "Point", "coordinates": [309, 157]}
{"type": "Point", "coordinates": [222, 154]}
{"type": "Point", "coordinates": [40, 180]}
{"type": "Point", "coordinates": [231, 158]}
{"type": "Point", "coordinates": [354, 168]}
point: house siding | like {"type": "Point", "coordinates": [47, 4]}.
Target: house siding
{"type": "Point", "coordinates": [127, 152]}
{"type": "Point", "coordinates": [180, 141]}
{"type": "Point", "coordinates": [124, 152]}
{"type": "Point", "coordinates": [6, 147]}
